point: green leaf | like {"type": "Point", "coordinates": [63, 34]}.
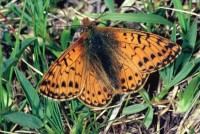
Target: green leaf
{"type": "Point", "coordinates": [23, 45]}
{"type": "Point", "coordinates": [30, 93]}
{"type": "Point", "coordinates": [26, 120]}
{"type": "Point", "coordinates": [192, 66]}
{"type": "Point", "coordinates": [65, 36]}
{"type": "Point", "coordinates": [134, 108]}
{"type": "Point", "coordinates": [7, 64]}
{"type": "Point", "coordinates": [7, 38]}
{"type": "Point", "coordinates": [148, 117]}
{"type": "Point", "coordinates": [54, 116]}
{"type": "Point", "coordinates": [55, 52]}
{"type": "Point", "coordinates": [77, 128]}
{"type": "Point", "coordinates": [187, 99]}
{"type": "Point", "coordinates": [15, 9]}
{"type": "Point", "coordinates": [5, 99]}
{"type": "Point", "coordinates": [75, 24]}
{"type": "Point", "coordinates": [181, 15]}
{"type": "Point", "coordinates": [188, 47]}
{"type": "Point", "coordinates": [136, 17]}
{"type": "Point", "coordinates": [185, 71]}
{"type": "Point", "coordinates": [111, 5]}
{"type": "Point", "coordinates": [1, 57]}
{"type": "Point", "coordinates": [144, 95]}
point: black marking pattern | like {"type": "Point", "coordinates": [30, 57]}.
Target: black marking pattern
{"type": "Point", "coordinates": [56, 83]}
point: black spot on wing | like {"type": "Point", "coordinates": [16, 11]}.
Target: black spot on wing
{"type": "Point", "coordinates": [145, 59]}
{"type": "Point", "coordinates": [70, 84]}
{"type": "Point", "coordinates": [153, 56]}
{"type": "Point", "coordinates": [63, 84]}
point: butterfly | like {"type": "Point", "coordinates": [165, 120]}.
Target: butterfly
{"type": "Point", "coordinates": [104, 62]}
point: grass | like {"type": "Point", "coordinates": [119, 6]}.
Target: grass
{"type": "Point", "coordinates": [26, 53]}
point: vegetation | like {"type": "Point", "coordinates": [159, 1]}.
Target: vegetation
{"type": "Point", "coordinates": [34, 33]}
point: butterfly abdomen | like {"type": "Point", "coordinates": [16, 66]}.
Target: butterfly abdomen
{"type": "Point", "coordinates": [100, 51]}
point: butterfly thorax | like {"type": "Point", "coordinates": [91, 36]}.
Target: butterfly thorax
{"type": "Point", "coordinates": [101, 52]}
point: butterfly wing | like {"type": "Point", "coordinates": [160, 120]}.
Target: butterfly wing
{"type": "Point", "coordinates": [65, 78]}
{"type": "Point", "coordinates": [131, 79]}
{"type": "Point", "coordinates": [140, 54]}
{"type": "Point", "coordinates": [97, 91]}
{"type": "Point", "coordinates": [147, 52]}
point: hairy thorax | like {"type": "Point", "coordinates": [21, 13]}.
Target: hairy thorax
{"type": "Point", "coordinates": [101, 54]}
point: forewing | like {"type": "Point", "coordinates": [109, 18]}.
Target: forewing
{"type": "Point", "coordinates": [145, 51]}
{"type": "Point", "coordinates": [65, 78]}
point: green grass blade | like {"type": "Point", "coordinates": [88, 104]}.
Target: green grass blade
{"type": "Point", "coordinates": [134, 108]}
{"type": "Point", "coordinates": [192, 66]}
{"type": "Point", "coordinates": [1, 56]}
{"type": "Point", "coordinates": [181, 16]}
{"type": "Point", "coordinates": [133, 17]}
{"type": "Point", "coordinates": [148, 117]}
{"type": "Point", "coordinates": [30, 93]}
{"type": "Point", "coordinates": [7, 38]}
{"type": "Point", "coordinates": [75, 24]}
{"type": "Point", "coordinates": [188, 47]}
{"type": "Point", "coordinates": [54, 116]}
{"type": "Point", "coordinates": [111, 5]}
{"type": "Point", "coordinates": [77, 128]}
{"type": "Point", "coordinates": [7, 64]}
{"type": "Point", "coordinates": [15, 9]}
{"type": "Point", "coordinates": [23, 45]}
{"type": "Point", "coordinates": [186, 101]}
{"type": "Point", "coordinates": [144, 95]}
{"type": "Point", "coordinates": [5, 99]}
{"type": "Point", "coordinates": [65, 36]}
{"type": "Point", "coordinates": [22, 119]}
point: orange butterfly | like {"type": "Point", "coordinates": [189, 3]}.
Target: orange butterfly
{"type": "Point", "coordinates": [104, 62]}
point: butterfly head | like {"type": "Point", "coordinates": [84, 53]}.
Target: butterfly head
{"type": "Point", "coordinates": [88, 25]}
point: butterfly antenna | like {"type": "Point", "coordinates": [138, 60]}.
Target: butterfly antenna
{"type": "Point", "coordinates": [95, 20]}
{"type": "Point", "coordinates": [100, 15]}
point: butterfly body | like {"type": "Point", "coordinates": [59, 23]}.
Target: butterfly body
{"type": "Point", "coordinates": [101, 53]}
{"type": "Point", "coordinates": [104, 62]}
